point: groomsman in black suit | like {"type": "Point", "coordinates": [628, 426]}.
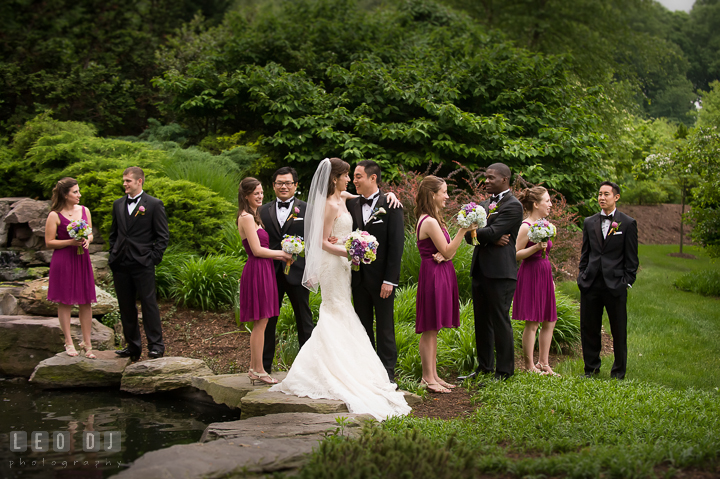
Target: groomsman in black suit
{"type": "Point", "coordinates": [373, 287]}
{"type": "Point", "coordinates": [608, 266]}
{"type": "Point", "coordinates": [285, 216]}
{"type": "Point", "coordinates": [138, 238]}
{"type": "Point", "coordinates": [494, 275]}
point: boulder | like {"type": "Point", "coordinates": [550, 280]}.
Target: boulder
{"type": "Point", "coordinates": [163, 374]}
{"type": "Point", "coordinates": [8, 305]}
{"type": "Point", "coordinates": [63, 371]}
{"type": "Point", "coordinates": [99, 260]}
{"type": "Point", "coordinates": [286, 425]}
{"type": "Point", "coordinates": [44, 255]}
{"type": "Point", "coordinates": [229, 389]}
{"type": "Point", "coordinates": [263, 402]}
{"type": "Point", "coordinates": [33, 300]}
{"type": "Point", "coordinates": [27, 210]}
{"type": "Point", "coordinates": [25, 341]}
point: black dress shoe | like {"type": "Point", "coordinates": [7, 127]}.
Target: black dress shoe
{"type": "Point", "coordinates": [155, 354]}
{"type": "Point", "coordinates": [126, 353]}
{"type": "Point", "coordinates": [472, 375]}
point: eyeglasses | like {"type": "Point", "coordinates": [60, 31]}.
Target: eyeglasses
{"type": "Point", "coordinates": [286, 184]}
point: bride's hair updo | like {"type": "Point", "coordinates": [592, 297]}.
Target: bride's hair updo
{"type": "Point", "coordinates": [529, 196]}
{"type": "Point", "coordinates": [424, 202]}
{"type": "Point", "coordinates": [60, 192]}
{"type": "Point", "coordinates": [247, 186]}
{"type": "Point", "coordinates": [337, 168]}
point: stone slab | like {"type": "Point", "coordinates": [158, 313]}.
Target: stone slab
{"type": "Point", "coordinates": [63, 371]}
{"type": "Point", "coordinates": [285, 425]}
{"type": "Point", "coordinates": [163, 374]}
{"type": "Point", "coordinates": [229, 389]}
{"type": "Point", "coordinates": [262, 402]}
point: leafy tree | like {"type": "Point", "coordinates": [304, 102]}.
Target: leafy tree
{"type": "Point", "coordinates": [709, 115]}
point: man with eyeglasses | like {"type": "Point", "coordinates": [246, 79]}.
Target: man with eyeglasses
{"type": "Point", "coordinates": [285, 216]}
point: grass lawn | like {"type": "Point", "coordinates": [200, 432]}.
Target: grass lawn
{"type": "Point", "coordinates": [673, 336]}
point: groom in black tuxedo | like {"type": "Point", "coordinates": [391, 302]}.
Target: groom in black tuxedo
{"type": "Point", "coordinates": [494, 275]}
{"type": "Point", "coordinates": [373, 287]}
{"type": "Point", "coordinates": [138, 238]}
{"type": "Point", "coordinates": [285, 216]}
{"type": "Point", "coordinates": [608, 266]}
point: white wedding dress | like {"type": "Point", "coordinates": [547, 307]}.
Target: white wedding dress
{"type": "Point", "coordinates": [338, 361]}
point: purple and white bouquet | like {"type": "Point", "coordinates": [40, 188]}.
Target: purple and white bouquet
{"type": "Point", "coordinates": [542, 231]}
{"type": "Point", "coordinates": [361, 247]}
{"type": "Point", "coordinates": [472, 214]}
{"type": "Point", "coordinates": [79, 230]}
{"type": "Point", "coordinates": [293, 245]}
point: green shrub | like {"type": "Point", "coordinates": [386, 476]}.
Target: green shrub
{"type": "Point", "coordinates": [207, 283]}
{"type": "Point", "coordinates": [286, 332]}
{"type": "Point", "coordinates": [705, 282]}
{"type": "Point", "coordinates": [567, 327]}
{"type": "Point", "coordinates": [45, 125]}
{"type": "Point", "coordinates": [231, 240]}
{"type": "Point", "coordinates": [218, 173]}
{"type": "Point", "coordinates": [167, 272]}
{"type": "Point", "coordinates": [647, 192]}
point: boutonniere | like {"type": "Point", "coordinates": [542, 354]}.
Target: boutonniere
{"type": "Point", "coordinates": [492, 207]}
{"type": "Point", "coordinates": [293, 214]}
{"type": "Point", "coordinates": [376, 213]}
{"type": "Point", "coordinates": [614, 227]}
{"type": "Point", "coordinates": [140, 211]}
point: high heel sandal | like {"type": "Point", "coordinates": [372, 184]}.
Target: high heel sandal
{"type": "Point", "coordinates": [88, 351]}
{"type": "Point", "coordinates": [434, 387]}
{"type": "Point", "coordinates": [70, 350]}
{"type": "Point", "coordinates": [262, 377]}
{"type": "Point", "coordinates": [546, 370]}
{"type": "Point", "coordinates": [446, 385]}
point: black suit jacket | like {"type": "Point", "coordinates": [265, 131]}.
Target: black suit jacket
{"type": "Point", "coordinates": [292, 227]}
{"type": "Point", "coordinates": [494, 261]}
{"type": "Point", "coordinates": [616, 256]}
{"type": "Point", "coordinates": [141, 237]}
{"type": "Point", "coordinates": [390, 233]}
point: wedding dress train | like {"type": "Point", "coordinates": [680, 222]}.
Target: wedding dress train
{"type": "Point", "coordinates": [338, 361]}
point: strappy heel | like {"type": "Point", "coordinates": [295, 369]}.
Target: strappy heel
{"type": "Point", "coordinates": [434, 387]}
{"type": "Point", "coordinates": [88, 351]}
{"type": "Point", "coordinates": [262, 377]}
{"type": "Point", "coordinates": [70, 350]}
{"type": "Point", "coordinates": [546, 370]}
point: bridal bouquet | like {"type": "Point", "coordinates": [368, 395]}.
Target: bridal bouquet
{"type": "Point", "coordinates": [542, 231]}
{"type": "Point", "coordinates": [361, 247]}
{"type": "Point", "coordinates": [79, 230]}
{"type": "Point", "coordinates": [472, 214]}
{"type": "Point", "coordinates": [293, 245]}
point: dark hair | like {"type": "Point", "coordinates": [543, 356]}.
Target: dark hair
{"type": "Point", "coordinates": [60, 192]}
{"type": "Point", "coordinates": [529, 196]}
{"type": "Point", "coordinates": [285, 170]}
{"type": "Point", "coordinates": [337, 168]}
{"type": "Point", "coordinates": [372, 168]}
{"type": "Point", "coordinates": [424, 204]}
{"type": "Point", "coordinates": [614, 186]}
{"type": "Point", "coordinates": [247, 186]}
{"type": "Point", "coordinates": [136, 172]}
{"type": "Point", "coordinates": [501, 168]}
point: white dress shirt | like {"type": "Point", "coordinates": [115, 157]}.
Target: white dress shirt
{"type": "Point", "coordinates": [606, 222]}
{"type": "Point", "coordinates": [131, 206]}
{"type": "Point", "coordinates": [283, 213]}
{"type": "Point", "coordinates": [500, 195]}
{"type": "Point", "coordinates": [367, 209]}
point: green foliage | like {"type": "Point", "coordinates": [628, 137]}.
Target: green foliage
{"type": "Point", "coordinates": [167, 272]}
{"type": "Point", "coordinates": [709, 115]}
{"type": "Point", "coordinates": [207, 283]}
{"type": "Point", "coordinates": [646, 192]}
{"type": "Point", "coordinates": [704, 282]}
{"type": "Point", "coordinates": [217, 173]}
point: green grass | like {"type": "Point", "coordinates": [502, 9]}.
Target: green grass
{"type": "Point", "coordinates": [705, 282]}
{"type": "Point", "coordinates": [672, 334]}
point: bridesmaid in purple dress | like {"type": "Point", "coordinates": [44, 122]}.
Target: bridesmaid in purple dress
{"type": "Point", "coordinates": [534, 300]}
{"type": "Point", "coordinates": [437, 300]}
{"type": "Point", "coordinates": [71, 278]}
{"type": "Point", "coordinates": [258, 288]}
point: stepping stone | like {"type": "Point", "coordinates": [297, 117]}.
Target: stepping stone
{"type": "Point", "coordinates": [163, 374]}
{"type": "Point", "coordinates": [229, 389]}
{"type": "Point", "coordinates": [262, 402]}
{"type": "Point", "coordinates": [63, 371]}
{"type": "Point", "coordinates": [284, 425]}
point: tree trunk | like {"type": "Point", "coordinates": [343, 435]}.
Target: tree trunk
{"type": "Point", "coordinates": [682, 212]}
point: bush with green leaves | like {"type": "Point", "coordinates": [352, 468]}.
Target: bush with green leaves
{"type": "Point", "coordinates": [705, 282]}
{"type": "Point", "coordinates": [207, 283]}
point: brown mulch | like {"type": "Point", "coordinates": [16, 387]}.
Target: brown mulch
{"type": "Point", "coordinates": [658, 224]}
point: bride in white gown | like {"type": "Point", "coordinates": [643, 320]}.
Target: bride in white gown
{"type": "Point", "coordinates": [338, 361]}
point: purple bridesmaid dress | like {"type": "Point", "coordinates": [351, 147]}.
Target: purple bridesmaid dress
{"type": "Point", "coordinates": [71, 279]}
{"type": "Point", "coordinates": [258, 287]}
{"type": "Point", "coordinates": [534, 298]}
{"type": "Point", "coordinates": [437, 302]}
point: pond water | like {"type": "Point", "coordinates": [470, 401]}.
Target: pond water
{"type": "Point", "coordinates": [145, 423]}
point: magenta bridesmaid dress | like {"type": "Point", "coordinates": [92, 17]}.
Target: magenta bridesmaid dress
{"type": "Point", "coordinates": [258, 287]}
{"type": "Point", "coordinates": [534, 298]}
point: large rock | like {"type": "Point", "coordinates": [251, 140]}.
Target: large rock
{"type": "Point", "coordinates": [286, 425]}
{"type": "Point", "coordinates": [263, 402]}
{"type": "Point", "coordinates": [25, 341]}
{"type": "Point", "coordinates": [33, 300]}
{"type": "Point", "coordinates": [63, 371]}
{"type": "Point", "coordinates": [162, 374]}
{"type": "Point", "coordinates": [44, 255]}
{"type": "Point", "coordinates": [28, 215]}
{"type": "Point", "coordinates": [229, 389]}
{"type": "Point", "coordinates": [8, 304]}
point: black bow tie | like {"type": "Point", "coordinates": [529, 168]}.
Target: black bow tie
{"type": "Point", "coordinates": [494, 198]}
{"type": "Point", "coordinates": [284, 204]}
{"type": "Point", "coordinates": [606, 217]}
{"type": "Point", "coordinates": [367, 201]}
{"type": "Point", "coordinates": [132, 201]}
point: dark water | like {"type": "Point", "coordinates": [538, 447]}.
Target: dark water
{"type": "Point", "coordinates": [145, 423]}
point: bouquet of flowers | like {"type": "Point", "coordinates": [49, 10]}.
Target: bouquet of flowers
{"type": "Point", "coordinates": [79, 230]}
{"type": "Point", "coordinates": [472, 214]}
{"type": "Point", "coordinates": [361, 247]}
{"type": "Point", "coordinates": [293, 245]}
{"type": "Point", "coordinates": [542, 231]}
